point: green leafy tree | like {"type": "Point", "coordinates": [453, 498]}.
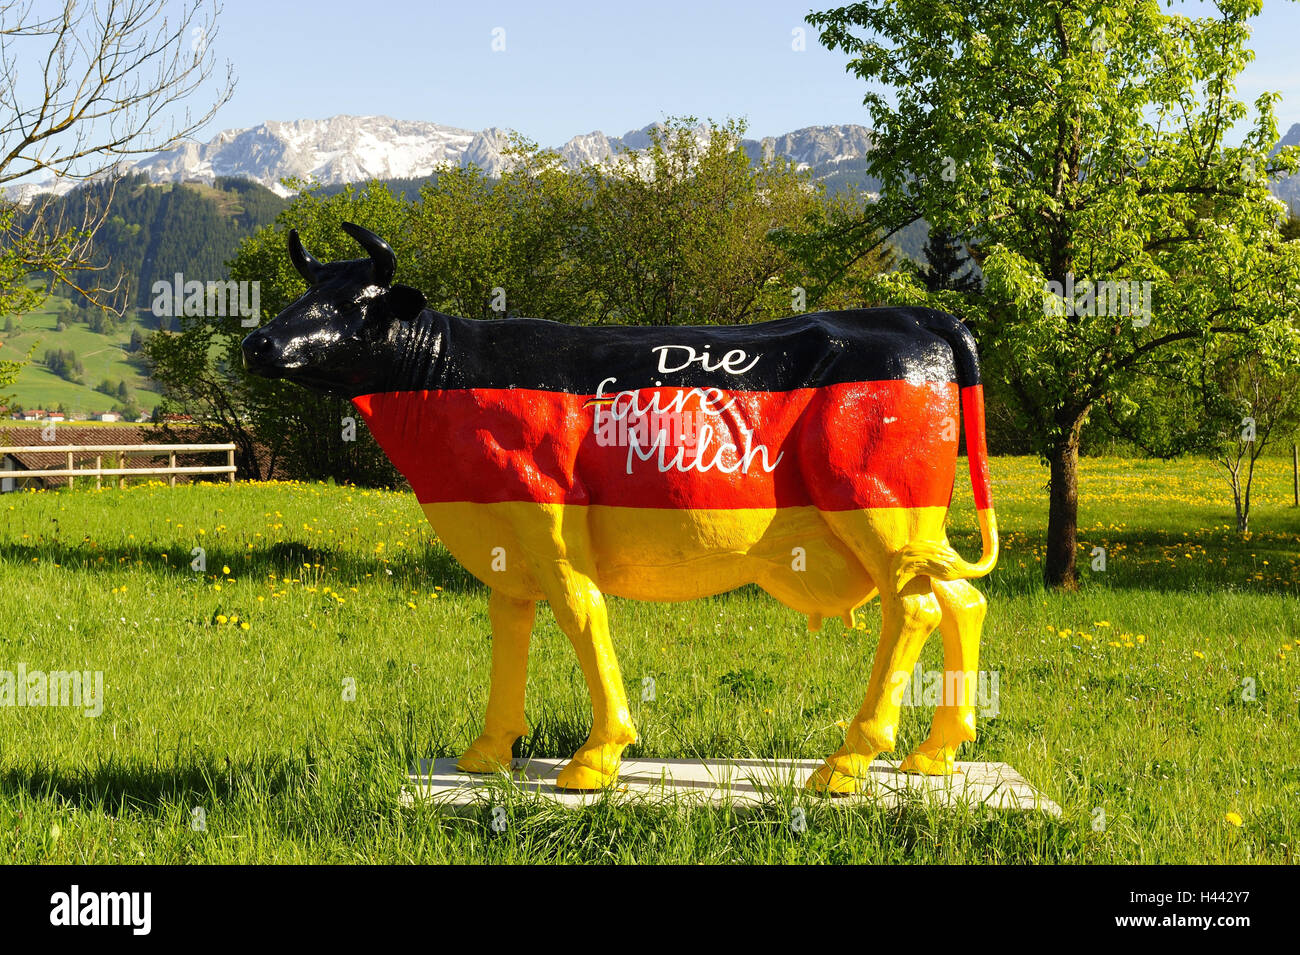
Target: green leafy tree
{"type": "Point", "coordinates": [484, 248]}
{"type": "Point", "coordinates": [1227, 400]}
{"type": "Point", "coordinates": [1252, 400]}
{"type": "Point", "coordinates": [1076, 145]}
{"type": "Point", "coordinates": [10, 369]}
{"type": "Point", "coordinates": [679, 232]}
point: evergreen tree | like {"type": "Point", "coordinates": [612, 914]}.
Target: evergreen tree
{"type": "Point", "coordinates": [949, 268]}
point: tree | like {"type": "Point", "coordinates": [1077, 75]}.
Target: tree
{"type": "Point", "coordinates": [9, 372]}
{"type": "Point", "coordinates": [1227, 400]}
{"type": "Point", "coordinates": [99, 83]}
{"type": "Point", "coordinates": [484, 248]}
{"type": "Point", "coordinates": [947, 264]}
{"type": "Point", "coordinates": [1083, 149]}
{"type": "Point", "coordinates": [1253, 401]}
{"type": "Point", "coordinates": [679, 232]}
{"type": "Point", "coordinates": [65, 364]}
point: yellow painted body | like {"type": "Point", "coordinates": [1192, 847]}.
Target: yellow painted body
{"type": "Point", "coordinates": [571, 555]}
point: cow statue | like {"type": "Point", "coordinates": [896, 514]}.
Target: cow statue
{"type": "Point", "coordinates": [813, 456]}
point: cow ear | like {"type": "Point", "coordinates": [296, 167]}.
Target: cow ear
{"type": "Point", "coordinates": [404, 302]}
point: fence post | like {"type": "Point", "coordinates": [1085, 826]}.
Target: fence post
{"type": "Point", "coordinates": [230, 462]}
{"type": "Point", "coordinates": [69, 468]}
{"type": "Point", "coordinates": [171, 463]}
{"type": "Point", "coordinates": [99, 466]}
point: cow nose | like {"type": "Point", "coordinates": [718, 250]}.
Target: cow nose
{"type": "Point", "coordinates": [257, 347]}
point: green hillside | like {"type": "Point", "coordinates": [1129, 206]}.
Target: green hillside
{"type": "Point", "coordinates": [153, 231]}
{"type": "Point", "coordinates": [102, 356]}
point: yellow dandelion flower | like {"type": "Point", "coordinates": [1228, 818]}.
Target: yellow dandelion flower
{"type": "Point", "coordinates": [221, 618]}
{"type": "Point", "coordinates": [1233, 818]}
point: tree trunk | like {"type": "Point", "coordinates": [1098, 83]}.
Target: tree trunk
{"type": "Point", "coordinates": [1059, 570]}
{"type": "Point", "coordinates": [1243, 519]}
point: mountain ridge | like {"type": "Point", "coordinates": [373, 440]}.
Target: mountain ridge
{"type": "Point", "coordinates": [350, 148]}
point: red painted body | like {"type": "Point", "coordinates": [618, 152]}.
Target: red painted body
{"type": "Point", "coordinates": [838, 447]}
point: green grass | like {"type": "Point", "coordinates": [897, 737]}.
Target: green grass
{"type": "Point", "coordinates": [251, 725]}
{"type": "Point", "coordinates": [103, 356]}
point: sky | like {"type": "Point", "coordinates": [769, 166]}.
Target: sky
{"type": "Point", "coordinates": [569, 68]}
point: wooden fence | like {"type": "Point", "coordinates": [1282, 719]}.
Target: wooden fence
{"type": "Point", "coordinates": [99, 472]}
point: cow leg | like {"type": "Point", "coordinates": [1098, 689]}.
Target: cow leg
{"type": "Point", "coordinates": [512, 628]}
{"type": "Point", "coordinates": [908, 618]}
{"type": "Point", "coordinates": [954, 720]}
{"type": "Point", "coordinates": [580, 612]}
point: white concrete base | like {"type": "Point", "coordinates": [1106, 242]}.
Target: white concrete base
{"type": "Point", "coordinates": [717, 782]}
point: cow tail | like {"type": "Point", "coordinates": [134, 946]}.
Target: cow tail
{"type": "Point", "coordinates": [938, 559]}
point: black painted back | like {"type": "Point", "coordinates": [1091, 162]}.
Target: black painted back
{"type": "Point", "coordinates": [806, 351]}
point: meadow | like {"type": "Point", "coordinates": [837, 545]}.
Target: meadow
{"type": "Point", "coordinates": [102, 355]}
{"type": "Point", "coordinates": [1158, 705]}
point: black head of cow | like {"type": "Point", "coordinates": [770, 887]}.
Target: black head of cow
{"type": "Point", "coordinates": [348, 333]}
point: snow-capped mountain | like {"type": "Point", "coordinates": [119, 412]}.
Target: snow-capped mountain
{"type": "Point", "coordinates": [344, 149]}
{"type": "Point", "coordinates": [352, 148]}
{"type": "Point", "coordinates": [335, 150]}
{"type": "Point", "coordinates": [817, 145]}
{"type": "Point", "coordinates": [1288, 190]}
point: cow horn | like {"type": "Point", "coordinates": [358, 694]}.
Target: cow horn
{"type": "Point", "coordinates": [381, 253]}
{"type": "Point", "coordinates": [303, 261]}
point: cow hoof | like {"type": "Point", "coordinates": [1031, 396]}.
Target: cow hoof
{"type": "Point", "coordinates": [483, 757]}
{"type": "Point", "coordinates": [930, 763]}
{"type": "Point", "coordinates": [583, 778]}
{"type": "Point", "coordinates": [842, 775]}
